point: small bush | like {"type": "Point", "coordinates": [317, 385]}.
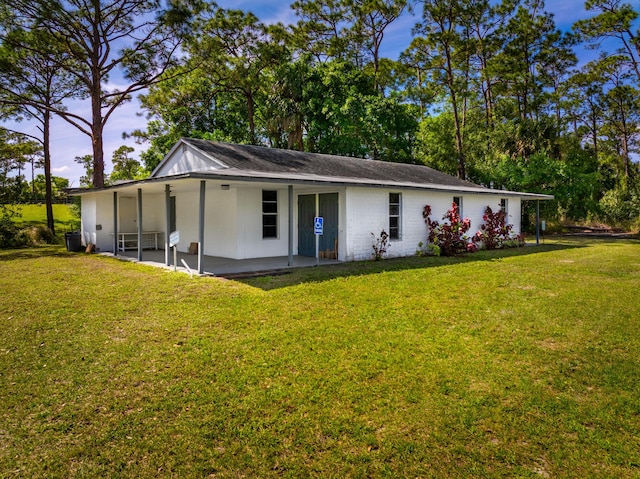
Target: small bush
{"type": "Point", "coordinates": [619, 207]}
{"type": "Point", "coordinates": [8, 233]}
{"type": "Point", "coordinates": [495, 232]}
{"type": "Point", "coordinates": [433, 249]}
{"type": "Point", "coordinates": [380, 245]}
{"type": "Point", "coordinates": [449, 237]}
{"type": "Point", "coordinates": [11, 236]}
{"type": "Point", "coordinates": [38, 234]}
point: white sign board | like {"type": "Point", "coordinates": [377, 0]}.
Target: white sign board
{"type": "Point", "coordinates": [174, 238]}
{"type": "Point", "coordinates": [318, 225]}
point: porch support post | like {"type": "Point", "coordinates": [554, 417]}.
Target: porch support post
{"type": "Point", "coordinates": [317, 236]}
{"type": "Point", "coordinates": [537, 221]}
{"type": "Point", "coordinates": [139, 224]}
{"type": "Point", "coordinates": [167, 232]}
{"type": "Point", "coordinates": [203, 185]}
{"type": "Point", "coordinates": [290, 261]}
{"type": "Point", "coordinates": [115, 223]}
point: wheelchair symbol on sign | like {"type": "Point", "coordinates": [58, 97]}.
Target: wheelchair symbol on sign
{"type": "Point", "coordinates": [318, 225]}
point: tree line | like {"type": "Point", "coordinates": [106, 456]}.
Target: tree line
{"type": "Point", "coordinates": [490, 92]}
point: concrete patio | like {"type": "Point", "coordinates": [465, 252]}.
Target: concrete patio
{"type": "Point", "coordinates": [217, 266]}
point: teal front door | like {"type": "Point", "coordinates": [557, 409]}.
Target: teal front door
{"type": "Point", "coordinates": [306, 213]}
{"type": "Point", "coordinates": [328, 204]}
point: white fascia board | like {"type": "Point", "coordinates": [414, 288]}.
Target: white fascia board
{"type": "Point", "coordinates": [243, 175]}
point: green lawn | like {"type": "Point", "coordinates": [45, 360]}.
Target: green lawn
{"type": "Point", "coordinates": [523, 363]}
{"type": "Point", "coordinates": [64, 217]}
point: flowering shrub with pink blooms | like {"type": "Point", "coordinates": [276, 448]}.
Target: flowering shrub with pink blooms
{"type": "Point", "coordinates": [449, 237]}
{"type": "Point", "coordinates": [495, 233]}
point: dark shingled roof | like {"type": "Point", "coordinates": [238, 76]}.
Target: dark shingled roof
{"type": "Point", "coordinates": [272, 160]}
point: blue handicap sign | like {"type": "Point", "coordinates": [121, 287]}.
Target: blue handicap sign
{"type": "Point", "coordinates": [318, 225]}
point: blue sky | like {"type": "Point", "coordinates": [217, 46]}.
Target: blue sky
{"type": "Point", "coordinates": [68, 142]}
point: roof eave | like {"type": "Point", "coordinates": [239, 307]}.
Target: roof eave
{"type": "Point", "coordinates": [312, 180]}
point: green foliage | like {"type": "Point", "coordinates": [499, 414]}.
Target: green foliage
{"type": "Point", "coordinates": [124, 167]}
{"type": "Point", "coordinates": [345, 115]}
{"type": "Point", "coordinates": [13, 235]}
{"type": "Point", "coordinates": [574, 182]}
{"type": "Point", "coordinates": [496, 232]}
{"type": "Point", "coordinates": [487, 91]}
{"type": "Point", "coordinates": [435, 144]}
{"type": "Point", "coordinates": [620, 207]}
{"type": "Point", "coordinates": [16, 152]}
{"type": "Point", "coordinates": [87, 162]}
{"type": "Point", "coordinates": [8, 229]}
{"type": "Point", "coordinates": [58, 186]}
{"type": "Point", "coordinates": [140, 38]}
{"type": "Point", "coordinates": [450, 237]}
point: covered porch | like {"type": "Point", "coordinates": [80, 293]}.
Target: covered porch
{"type": "Point", "coordinates": [222, 221]}
{"type": "Point", "coordinates": [218, 266]}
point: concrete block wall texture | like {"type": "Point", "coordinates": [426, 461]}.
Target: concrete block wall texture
{"type": "Point", "coordinates": [371, 208]}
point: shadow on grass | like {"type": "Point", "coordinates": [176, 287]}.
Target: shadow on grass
{"type": "Point", "coordinates": [61, 226]}
{"type": "Point", "coordinates": [34, 252]}
{"type": "Point", "coordinates": [358, 268]}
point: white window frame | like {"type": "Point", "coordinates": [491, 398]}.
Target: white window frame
{"type": "Point", "coordinates": [398, 216]}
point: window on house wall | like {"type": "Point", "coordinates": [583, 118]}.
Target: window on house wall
{"type": "Point", "coordinates": [395, 208]}
{"type": "Point", "coordinates": [458, 201]}
{"type": "Point", "coordinates": [269, 214]}
{"type": "Point", "coordinates": [503, 205]}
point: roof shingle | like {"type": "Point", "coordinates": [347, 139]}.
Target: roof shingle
{"type": "Point", "coordinates": [273, 160]}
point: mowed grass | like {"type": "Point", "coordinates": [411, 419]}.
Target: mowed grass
{"type": "Point", "coordinates": [502, 364]}
{"type": "Point", "coordinates": [36, 214]}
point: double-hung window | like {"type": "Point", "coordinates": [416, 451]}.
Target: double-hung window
{"type": "Point", "coordinates": [395, 209]}
{"type": "Point", "coordinates": [269, 214]}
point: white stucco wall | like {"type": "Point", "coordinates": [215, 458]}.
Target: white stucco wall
{"type": "Point", "coordinates": [88, 219]}
{"type": "Point", "coordinates": [153, 212]}
{"type": "Point", "coordinates": [97, 221]}
{"type": "Point", "coordinates": [249, 227]}
{"type": "Point", "coordinates": [233, 222]}
{"type": "Point", "coordinates": [220, 222]}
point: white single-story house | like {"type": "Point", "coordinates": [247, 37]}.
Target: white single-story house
{"type": "Point", "coordinates": [242, 201]}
